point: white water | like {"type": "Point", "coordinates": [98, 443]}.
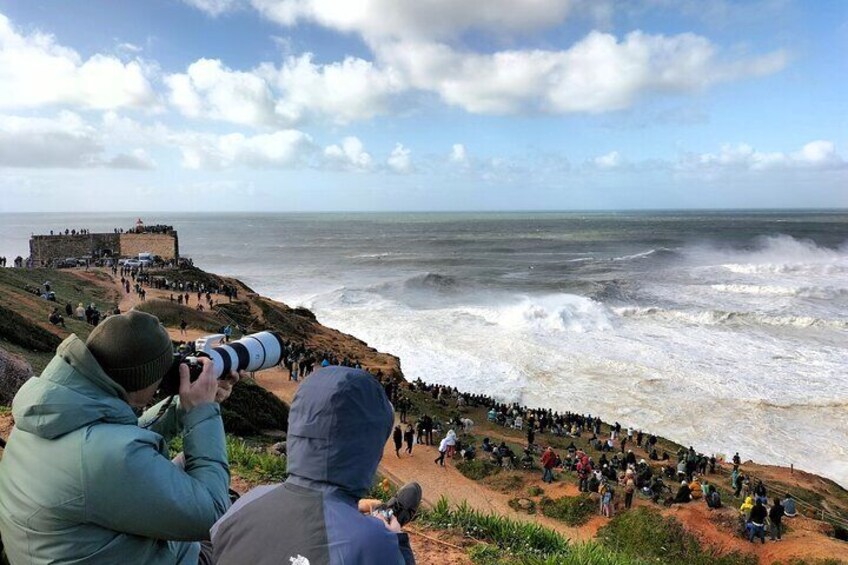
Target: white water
{"type": "Point", "coordinates": [751, 358]}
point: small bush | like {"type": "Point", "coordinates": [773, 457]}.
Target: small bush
{"type": "Point", "coordinates": [505, 482]}
{"type": "Point", "coordinates": [508, 534]}
{"type": "Point", "coordinates": [253, 463]}
{"type": "Point", "coordinates": [645, 533]}
{"type": "Point", "coordinates": [573, 510]}
{"type": "Point", "coordinates": [477, 469]}
{"type": "Point", "coordinates": [535, 490]}
{"type": "Point", "coordinates": [522, 505]}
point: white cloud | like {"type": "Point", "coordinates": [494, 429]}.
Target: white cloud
{"type": "Point", "coordinates": [215, 7]}
{"type": "Point", "coordinates": [36, 71]}
{"type": "Point", "coordinates": [342, 92]}
{"type": "Point", "coordinates": [281, 149]}
{"type": "Point", "coordinates": [417, 19]}
{"type": "Point", "coordinates": [298, 90]}
{"type": "Point", "coordinates": [609, 161]}
{"type": "Point", "coordinates": [209, 89]}
{"type": "Point", "coordinates": [815, 155]}
{"type": "Point", "coordinates": [596, 74]}
{"type": "Point", "coordinates": [65, 141]}
{"type": "Point", "coordinates": [400, 160]}
{"type": "Point", "coordinates": [350, 155]}
{"type": "Point", "coordinates": [458, 154]}
{"type": "Point", "coordinates": [137, 159]}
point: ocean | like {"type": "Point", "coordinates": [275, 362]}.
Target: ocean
{"type": "Point", "coordinates": [723, 330]}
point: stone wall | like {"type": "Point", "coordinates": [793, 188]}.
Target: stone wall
{"type": "Point", "coordinates": [49, 247]}
{"type": "Point", "coordinates": [165, 245]}
{"type": "Point", "coordinates": [45, 248]}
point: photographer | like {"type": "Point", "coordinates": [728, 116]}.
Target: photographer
{"type": "Point", "coordinates": [83, 480]}
{"type": "Point", "coordinates": [339, 422]}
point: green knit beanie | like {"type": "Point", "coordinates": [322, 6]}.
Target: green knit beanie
{"type": "Point", "coordinates": [134, 349]}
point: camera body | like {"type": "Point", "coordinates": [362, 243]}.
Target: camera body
{"type": "Point", "coordinates": [253, 352]}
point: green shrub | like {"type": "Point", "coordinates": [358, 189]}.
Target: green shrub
{"type": "Point", "coordinates": [506, 533]}
{"type": "Point", "coordinates": [253, 463]}
{"type": "Point", "coordinates": [644, 533]}
{"type": "Point", "coordinates": [583, 554]}
{"type": "Point", "coordinates": [535, 490]}
{"type": "Point", "coordinates": [477, 469]}
{"type": "Point", "coordinates": [251, 409]}
{"type": "Point", "coordinates": [573, 510]}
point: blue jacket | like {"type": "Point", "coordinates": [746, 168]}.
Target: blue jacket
{"type": "Point", "coordinates": [339, 422]}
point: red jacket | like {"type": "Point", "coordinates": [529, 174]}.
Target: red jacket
{"type": "Point", "coordinates": [549, 459]}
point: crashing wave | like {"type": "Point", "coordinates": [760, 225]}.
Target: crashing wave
{"type": "Point", "coordinates": [721, 317]}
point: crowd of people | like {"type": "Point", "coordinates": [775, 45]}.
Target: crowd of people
{"type": "Point", "coordinates": [17, 262]}
{"type": "Point", "coordinates": [613, 467]}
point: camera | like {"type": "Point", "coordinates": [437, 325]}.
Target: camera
{"type": "Point", "coordinates": [253, 352]}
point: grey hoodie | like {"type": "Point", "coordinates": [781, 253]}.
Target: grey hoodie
{"type": "Point", "coordinates": [339, 422]}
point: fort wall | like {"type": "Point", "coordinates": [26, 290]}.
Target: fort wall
{"type": "Point", "coordinates": [165, 245]}
{"type": "Point", "coordinates": [45, 248]}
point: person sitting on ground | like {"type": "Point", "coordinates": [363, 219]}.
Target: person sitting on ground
{"type": "Point", "coordinates": [109, 493]}
{"type": "Point", "coordinates": [695, 487]}
{"type": "Point", "coordinates": [339, 420]}
{"type": "Point", "coordinates": [487, 445]}
{"type": "Point", "coordinates": [789, 509]}
{"type": "Point", "coordinates": [56, 318]}
{"type": "Point", "coordinates": [684, 493]}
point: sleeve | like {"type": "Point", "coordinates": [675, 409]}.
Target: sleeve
{"type": "Point", "coordinates": [171, 422]}
{"type": "Point", "coordinates": [130, 487]}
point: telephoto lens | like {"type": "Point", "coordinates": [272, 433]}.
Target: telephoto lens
{"type": "Point", "coordinates": [253, 352]}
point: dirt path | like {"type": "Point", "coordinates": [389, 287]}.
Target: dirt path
{"type": "Point", "coordinates": [444, 481]}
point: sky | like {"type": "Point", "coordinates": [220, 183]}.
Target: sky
{"type": "Point", "coordinates": [413, 105]}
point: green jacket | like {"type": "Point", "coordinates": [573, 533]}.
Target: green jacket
{"type": "Point", "coordinates": [82, 482]}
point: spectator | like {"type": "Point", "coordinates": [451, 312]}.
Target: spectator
{"type": "Point", "coordinates": [776, 517]}
{"type": "Point", "coordinates": [758, 522]}
{"type": "Point", "coordinates": [339, 421]}
{"type": "Point", "coordinates": [789, 509]}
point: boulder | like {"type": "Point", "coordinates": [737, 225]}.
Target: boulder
{"type": "Point", "coordinates": [14, 372]}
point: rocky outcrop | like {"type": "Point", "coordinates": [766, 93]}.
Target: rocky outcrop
{"type": "Point", "coordinates": [14, 372]}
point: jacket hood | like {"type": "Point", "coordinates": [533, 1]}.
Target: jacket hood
{"type": "Point", "coordinates": [72, 392]}
{"type": "Point", "coordinates": [339, 422]}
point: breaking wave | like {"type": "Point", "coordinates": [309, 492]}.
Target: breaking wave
{"type": "Point", "coordinates": [720, 317]}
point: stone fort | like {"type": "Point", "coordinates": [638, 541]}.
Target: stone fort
{"type": "Point", "coordinates": [45, 248]}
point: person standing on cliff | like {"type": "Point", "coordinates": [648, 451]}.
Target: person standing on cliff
{"type": "Point", "coordinates": [409, 437]}
{"type": "Point", "coordinates": [397, 437]}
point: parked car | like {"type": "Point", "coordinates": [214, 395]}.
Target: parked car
{"type": "Point", "coordinates": [132, 263]}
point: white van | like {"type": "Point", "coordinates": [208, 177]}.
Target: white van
{"type": "Point", "coordinates": [145, 259]}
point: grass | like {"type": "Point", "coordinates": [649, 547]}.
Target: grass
{"type": "Point", "coordinates": [171, 313]}
{"type": "Point", "coordinates": [251, 410]}
{"type": "Point", "coordinates": [512, 542]}
{"type": "Point", "coordinates": [572, 510]}
{"type": "Point", "coordinates": [253, 463]}
{"type": "Point", "coordinates": [477, 469]}
{"type": "Point", "coordinates": [644, 533]}
{"type": "Point", "coordinates": [508, 534]}
{"type": "Point", "coordinates": [580, 554]}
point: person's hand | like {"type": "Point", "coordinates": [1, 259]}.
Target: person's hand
{"type": "Point", "coordinates": [201, 391]}
{"type": "Point", "coordinates": [392, 525]}
{"type": "Point", "coordinates": [225, 386]}
{"type": "Point", "coordinates": [367, 505]}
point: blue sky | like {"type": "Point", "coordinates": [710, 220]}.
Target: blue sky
{"type": "Point", "coordinates": [312, 105]}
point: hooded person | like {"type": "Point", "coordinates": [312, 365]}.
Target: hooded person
{"type": "Point", "coordinates": [81, 481]}
{"type": "Point", "coordinates": [339, 421]}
